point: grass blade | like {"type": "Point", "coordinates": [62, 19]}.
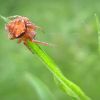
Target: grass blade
{"type": "Point", "coordinates": [98, 31]}
{"type": "Point", "coordinates": [71, 89]}
{"type": "Point", "coordinates": [41, 89]}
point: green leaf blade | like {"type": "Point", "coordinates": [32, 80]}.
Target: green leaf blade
{"type": "Point", "coordinates": [71, 89]}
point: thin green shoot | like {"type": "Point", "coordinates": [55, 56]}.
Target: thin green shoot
{"type": "Point", "coordinates": [98, 30]}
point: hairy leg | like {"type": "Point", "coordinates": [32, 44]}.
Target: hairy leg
{"type": "Point", "coordinates": [39, 42]}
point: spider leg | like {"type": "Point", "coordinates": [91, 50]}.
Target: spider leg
{"type": "Point", "coordinates": [13, 17]}
{"type": "Point", "coordinates": [19, 40]}
{"type": "Point", "coordinates": [39, 42]}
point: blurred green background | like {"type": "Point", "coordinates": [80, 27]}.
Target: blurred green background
{"type": "Point", "coordinates": [70, 25]}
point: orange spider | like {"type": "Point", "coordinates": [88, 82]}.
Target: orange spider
{"type": "Point", "coordinates": [21, 28]}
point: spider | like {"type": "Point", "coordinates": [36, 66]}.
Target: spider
{"type": "Point", "coordinates": [21, 28]}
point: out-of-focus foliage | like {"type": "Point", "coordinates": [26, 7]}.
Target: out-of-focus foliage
{"type": "Point", "coordinates": [68, 24]}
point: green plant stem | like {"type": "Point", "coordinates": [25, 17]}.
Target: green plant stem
{"type": "Point", "coordinates": [98, 31]}
{"type": "Point", "coordinates": [70, 88]}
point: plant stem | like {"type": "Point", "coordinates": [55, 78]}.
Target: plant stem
{"type": "Point", "coordinates": [98, 31]}
{"type": "Point", "coordinates": [70, 88]}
